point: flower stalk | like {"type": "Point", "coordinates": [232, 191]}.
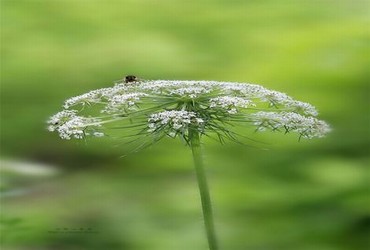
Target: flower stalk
{"type": "Point", "coordinates": [203, 188]}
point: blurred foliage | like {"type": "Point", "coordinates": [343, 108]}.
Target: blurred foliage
{"type": "Point", "coordinates": [296, 195]}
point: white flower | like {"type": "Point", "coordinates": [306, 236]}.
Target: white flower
{"type": "Point", "coordinates": [119, 102]}
{"type": "Point", "coordinates": [191, 92]}
{"type": "Point", "coordinates": [175, 120]}
{"type": "Point", "coordinates": [230, 103]}
{"type": "Point", "coordinates": [304, 107]}
{"type": "Point", "coordinates": [175, 107]}
{"type": "Point", "coordinates": [308, 127]}
{"type": "Point", "coordinates": [68, 124]}
{"type": "Point", "coordinates": [98, 134]}
{"type": "Point", "coordinates": [96, 96]}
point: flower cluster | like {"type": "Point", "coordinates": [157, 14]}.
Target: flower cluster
{"type": "Point", "coordinates": [308, 127]}
{"type": "Point", "coordinates": [69, 125]}
{"type": "Point", "coordinates": [191, 92]}
{"type": "Point", "coordinates": [173, 121]}
{"type": "Point", "coordinates": [121, 102]}
{"type": "Point", "coordinates": [230, 103]}
{"type": "Point", "coordinates": [173, 108]}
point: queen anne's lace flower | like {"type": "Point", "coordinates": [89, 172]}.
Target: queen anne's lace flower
{"type": "Point", "coordinates": [308, 127]}
{"type": "Point", "coordinates": [174, 108]}
{"type": "Point", "coordinates": [150, 110]}
{"type": "Point", "coordinates": [122, 101]}
{"type": "Point", "coordinates": [191, 92]}
{"type": "Point", "coordinates": [69, 125]}
{"type": "Point", "coordinates": [173, 121]}
{"type": "Point", "coordinates": [230, 103]}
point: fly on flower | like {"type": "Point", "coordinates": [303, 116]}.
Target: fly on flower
{"type": "Point", "coordinates": [129, 79]}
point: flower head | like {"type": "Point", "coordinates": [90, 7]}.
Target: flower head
{"type": "Point", "coordinates": [173, 108]}
{"type": "Point", "coordinates": [69, 125]}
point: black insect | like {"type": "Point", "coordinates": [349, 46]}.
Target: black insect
{"type": "Point", "coordinates": [130, 78]}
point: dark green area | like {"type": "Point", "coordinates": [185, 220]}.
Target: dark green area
{"type": "Point", "coordinates": [307, 195]}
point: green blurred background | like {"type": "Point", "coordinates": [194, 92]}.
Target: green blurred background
{"type": "Point", "coordinates": [307, 195]}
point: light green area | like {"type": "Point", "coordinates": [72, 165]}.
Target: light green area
{"type": "Point", "coordinates": [307, 195]}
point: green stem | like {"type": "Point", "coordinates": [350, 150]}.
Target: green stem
{"type": "Point", "coordinates": [203, 188]}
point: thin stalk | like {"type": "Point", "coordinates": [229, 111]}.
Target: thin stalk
{"type": "Point", "coordinates": [203, 188]}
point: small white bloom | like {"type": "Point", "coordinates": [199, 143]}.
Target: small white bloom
{"type": "Point", "coordinates": [275, 97]}
{"type": "Point", "coordinates": [98, 134]}
{"type": "Point", "coordinates": [69, 125]}
{"type": "Point", "coordinates": [304, 107]}
{"type": "Point", "coordinates": [230, 103]}
{"type": "Point", "coordinates": [191, 92]}
{"type": "Point", "coordinates": [60, 118]}
{"type": "Point", "coordinates": [172, 134]}
{"type": "Point", "coordinates": [308, 127]}
{"type": "Point", "coordinates": [199, 120]}
{"type": "Point", "coordinates": [175, 119]}
{"type": "Point", "coordinates": [120, 102]}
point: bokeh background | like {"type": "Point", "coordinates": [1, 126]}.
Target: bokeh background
{"type": "Point", "coordinates": [307, 195]}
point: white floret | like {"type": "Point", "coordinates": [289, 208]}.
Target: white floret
{"type": "Point", "coordinates": [174, 119]}
{"type": "Point", "coordinates": [230, 103]}
{"type": "Point", "coordinates": [308, 127]}
{"type": "Point", "coordinates": [122, 101]}
{"type": "Point", "coordinates": [191, 92]}
{"type": "Point", "coordinates": [69, 125]}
